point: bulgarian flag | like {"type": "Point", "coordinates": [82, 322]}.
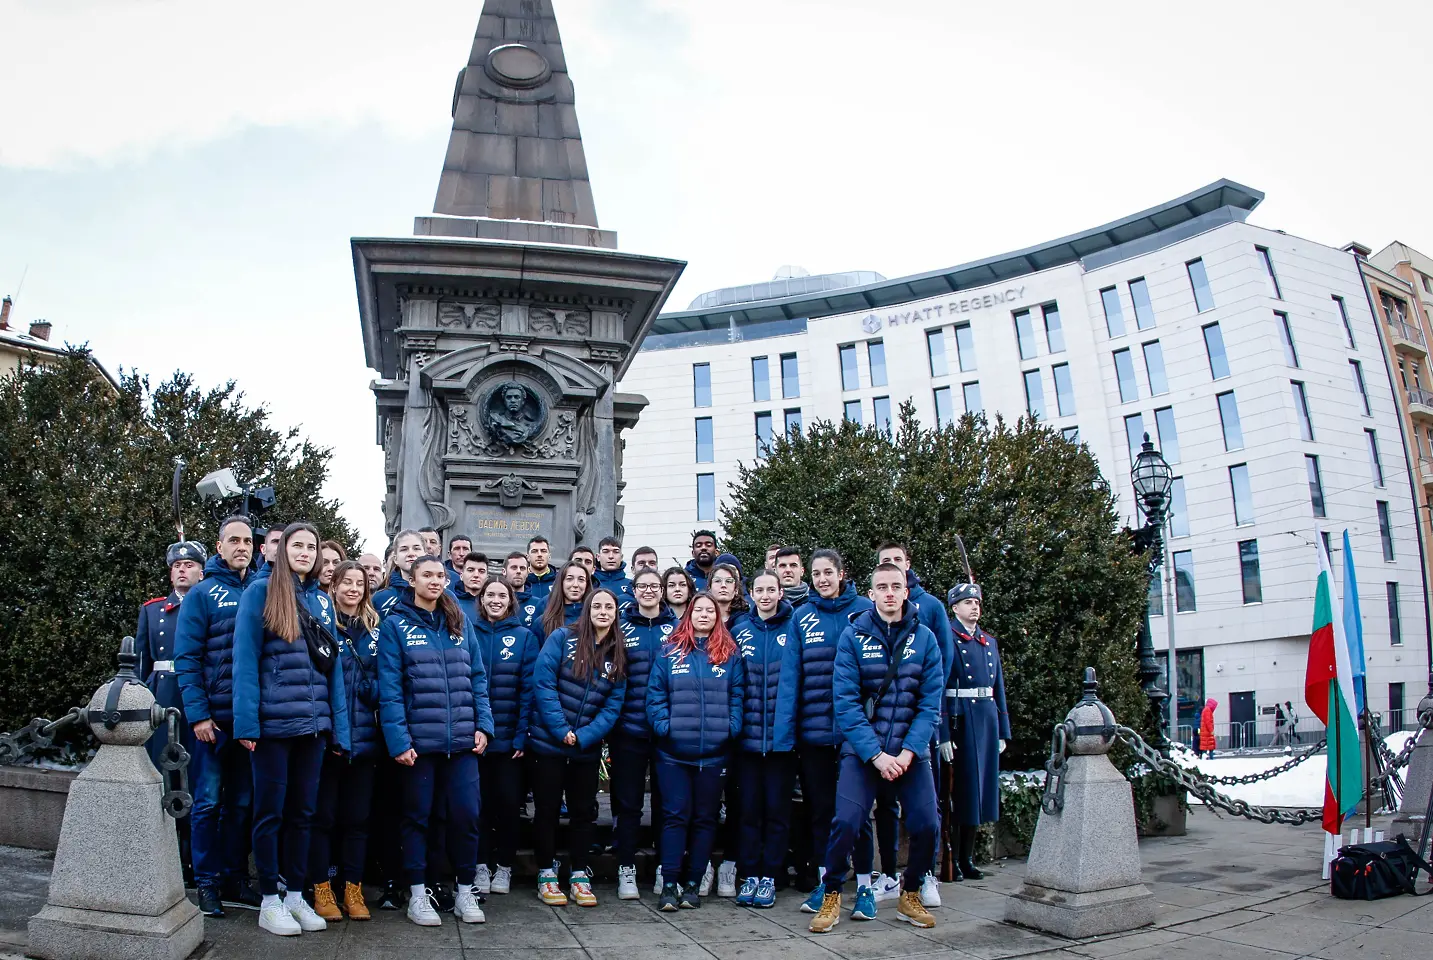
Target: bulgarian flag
{"type": "Point", "coordinates": [1329, 692]}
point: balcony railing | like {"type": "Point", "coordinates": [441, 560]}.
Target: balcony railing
{"type": "Point", "coordinates": [1417, 396]}
{"type": "Point", "coordinates": [1407, 332]}
{"type": "Point", "coordinates": [1425, 469]}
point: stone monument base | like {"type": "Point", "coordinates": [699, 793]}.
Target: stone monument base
{"type": "Point", "coordinates": [67, 933]}
{"type": "Point", "coordinates": [1080, 915]}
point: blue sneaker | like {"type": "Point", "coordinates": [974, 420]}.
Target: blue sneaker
{"type": "Point", "coordinates": [865, 908]}
{"type": "Point", "coordinates": [747, 896]}
{"type": "Point", "coordinates": [812, 904]}
{"type": "Point", "coordinates": [765, 893]}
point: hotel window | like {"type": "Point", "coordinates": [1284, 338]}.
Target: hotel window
{"type": "Point", "coordinates": [1328, 545]}
{"type": "Point", "coordinates": [760, 379]}
{"type": "Point", "coordinates": [850, 376]}
{"type": "Point", "coordinates": [1143, 309]}
{"type": "Point", "coordinates": [881, 414]}
{"type": "Point", "coordinates": [706, 496]}
{"type": "Point", "coordinates": [1178, 509]}
{"type": "Point", "coordinates": [1199, 280]}
{"type": "Point", "coordinates": [935, 347]}
{"type": "Point", "coordinates": [970, 393]}
{"type": "Point", "coordinates": [763, 434]}
{"type": "Point", "coordinates": [1154, 368]}
{"type": "Point", "coordinates": [1054, 333]}
{"type": "Point", "coordinates": [1385, 529]}
{"type": "Point", "coordinates": [705, 453]}
{"type": "Point", "coordinates": [1286, 336]}
{"type": "Point", "coordinates": [1242, 494]}
{"type": "Point", "coordinates": [1214, 347]}
{"type": "Point", "coordinates": [1395, 622]}
{"type": "Point", "coordinates": [1403, 373]}
{"type": "Point", "coordinates": [1184, 581]}
{"type": "Point", "coordinates": [1394, 309]}
{"type": "Point", "coordinates": [1427, 283]}
{"type": "Point", "coordinates": [944, 408]}
{"type": "Point", "coordinates": [876, 353]}
{"type": "Point", "coordinates": [1025, 336]}
{"type": "Point", "coordinates": [1064, 390]}
{"type": "Point", "coordinates": [965, 347]}
{"type": "Point", "coordinates": [1124, 373]}
{"type": "Point", "coordinates": [1347, 327]}
{"type": "Point", "coordinates": [1071, 434]}
{"type": "Point", "coordinates": [1359, 385]}
{"type": "Point", "coordinates": [1269, 269]}
{"type": "Point", "coordinates": [1301, 408]}
{"type": "Point", "coordinates": [1168, 436]}
{"type": "Point", "coordinates": [1249, 571]}
{"type": "Point", "coordinates": [1134, 434]}
{"type": "Point", "coordinates": [790, 376]}
{"type": "Point", "coordinates": [852, 411]}
{"type": "Point", "coordinates": [701, 384]}
{"type": "Point", "coordinates": [1316, 485]}
{"type": "Point", "coordinates": [792, 422]}
{"type": "Point", "coordinates": [1373, 459]}
{"type": "Point", "coordinates": [1229, 419]}
{"type": "Point", "coordinates": [1114, 316]}
{"type": "Point", "coordinates": [1034, 394]}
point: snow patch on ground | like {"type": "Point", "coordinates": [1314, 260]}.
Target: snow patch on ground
{"type": "Point", "coordinates": [1303, 786]}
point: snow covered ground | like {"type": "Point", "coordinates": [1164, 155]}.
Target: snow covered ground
{"type": "Point", "coordinates": [1303, 786]}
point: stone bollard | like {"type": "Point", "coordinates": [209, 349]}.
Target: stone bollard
{"type": "Point", "coordinates": [1419, 782]}
{"type": "Point", "coordinates": [1082, 878]}
{"type": "Point", "coordinates": [117, 890]}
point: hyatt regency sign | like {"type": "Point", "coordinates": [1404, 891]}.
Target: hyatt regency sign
{"type": "Point", "coordinates": [872, 323]}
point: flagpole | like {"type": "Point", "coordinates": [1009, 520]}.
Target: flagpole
{"type": "Point", "coordinates": [1367, 771]}
{"type": "Point", "coordinates": [1338, 754]}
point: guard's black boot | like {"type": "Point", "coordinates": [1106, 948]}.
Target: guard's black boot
{"type": "Point", "coordinates": [966, 860]}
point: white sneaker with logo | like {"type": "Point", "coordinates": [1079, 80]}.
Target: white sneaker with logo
{"type": "Point", "coordinates": [627, 884]}
{"type": "Point", "coordinates": [422, 912]}
{"type": "Point", "coordinates": [704, 889]}
{"type": "Point", "coordinates": [484, 879]}
{"type": "Point", "coordinates": [726, 879]}
{"type": "Point", "coordinates": [275, 918]}
{"type": "Point", "coordinates": [886, 887]}
{"type": "Point", "coordinates": [502, 880]}
{"type": "Point", "coordinates": [298, 907]}
{"type": "Point", "coordinates": [930, 891]}
{"type": "Point", "coordinates": [465, 906]}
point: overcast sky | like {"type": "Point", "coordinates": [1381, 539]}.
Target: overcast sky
{"type": "Point", "coordinates": [179, 180]}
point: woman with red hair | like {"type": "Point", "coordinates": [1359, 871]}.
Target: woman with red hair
{"type": "Point", "coordinates": [694, 704]}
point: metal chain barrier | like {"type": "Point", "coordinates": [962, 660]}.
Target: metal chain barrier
{"type": "Point", "coordinates": [1267, 774]}
{"type": "Point", "coordinates": [38, 734]}
{"type": "Point", "coordinates": [174, 767]}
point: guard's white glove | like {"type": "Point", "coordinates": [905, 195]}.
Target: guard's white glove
{"type": "Point", "coordinates": [1002, 746]}
{"type": "Point", "coordinates": [947, 751]}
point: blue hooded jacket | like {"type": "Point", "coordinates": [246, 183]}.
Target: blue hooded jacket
{"type": "Point", "coordinates": [277, 690]}
{"type": "Point", "coordinates": [509, 653]}
{"type": "Point", "coordinates": [820, 623]}
{"type": "Point", "coordinates": [204, 644]}
{"type": "Point", "coordinates": [695, 706]}
{"type": "Point", "coordinates": [769, 652]}
{"type": "Point", "coordinates": [931, 610]}
{"type": "Point", "coordinates": [908, 713]}
{"type": "Point", "coordinates": [358, 651]}
{"type": "Point", "coordinates": [384, 599]}
{"type": "Point", "coordinates": [589, 708]}
{"type": "Point", "coordinates": [644, 638]}
{"type": "Point", "coordinates": [618, 582]}
{"type": "Point", "coordinates": [432, 684]}
{"type": "Point", "coordinates": [540, 586]}
{"type": "Point", "coordinates": [695, 572]}
{"type": "Point", "coordinates": [570, 613]}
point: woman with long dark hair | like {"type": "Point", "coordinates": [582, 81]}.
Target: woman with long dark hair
{"type": "Point", "coordinates": [509, 653]}
{"type": "Point", "coordinates": [433, 704]}
{"type": "Point", "coordinates": [345, 790]}
{"type": "Point", "coordinates": [677, 590]}
{"type": "Point", "coordinates": [580, 680]}
{"type": "Point", "coordinates": [694, 704]}
{"type": "Point", "coordinates": [290, 706]}
{"type": "Point", "coordinates": [564, 603]}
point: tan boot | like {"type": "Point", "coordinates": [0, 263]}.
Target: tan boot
{"type": "Point", "coordinates": [323, 902]}
{"type": "Point", "coordinates": [912, 911]}
{"type": "Point", "coordinates": [353, 902]}
{"type": "Point", "coordinates": [829, 915]}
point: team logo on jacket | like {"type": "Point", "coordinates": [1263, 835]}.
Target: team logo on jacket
{"type": "Point", "coordinates": [718, 672]}
{"type": "Point", "coordinates": [456, 638]}
{"type": "Point", "coordinates": [781, 639]}
{"type": "Point", "coordinates": [529, 610]}
{"type": "Point", "coordinates": [666, 629]}
{"type": "Point", "coordinates": [221, 597]}
{"type": "Point", "coordinates": [506, 654]}
{"type": "Point", "coordinates": [908, 652]}
{"type": "Point", "coordinates": [509, 641]}
{"type": "Point", "coordinates": [810, 626]}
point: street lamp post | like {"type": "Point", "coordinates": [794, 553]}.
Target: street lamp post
{"type": "Point", "coordinates": [1152, 481]}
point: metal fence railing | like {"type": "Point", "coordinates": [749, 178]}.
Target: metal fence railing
{"type": "Point", "coordinates": [1265, 733]}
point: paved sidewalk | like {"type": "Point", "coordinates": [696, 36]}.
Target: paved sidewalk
{"type": "Point", "coordinates": [1230, 890]}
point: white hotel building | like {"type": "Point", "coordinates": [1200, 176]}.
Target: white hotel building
{"type": "Point", "coordinates": [1249, 356]}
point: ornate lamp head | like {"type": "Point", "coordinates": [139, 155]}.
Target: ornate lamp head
{"type": "Point", "coordinates": [1151, 477]}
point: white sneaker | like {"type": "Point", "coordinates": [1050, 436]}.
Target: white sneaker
{"type": "Point", "coordinates": [275, 918]}
{"type": "Point", "coordinates": [465, 906]}
{"type": "Point", "coordinates": [484, 880]}
{"type": "Point", "coordinates": [887, 888]}
{"type": "Point", "coordinates": [421, 912]}
{"type": "Point", "coordinates": [502, 880]}
{"type": "Point", "coordinates": [930, 891]}
{"type": "Point", "coordinates": [726, 879]}
{"type": "Point", "coordinates": [657, 887]}
{"type": "Point", "coordinates": [705, 888]}
{"type": "Point", "coordinates": [298, 907]}
{"type": "Point", "coordinates": [627, 884]}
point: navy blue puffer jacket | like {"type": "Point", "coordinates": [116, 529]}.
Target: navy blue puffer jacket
{"type": "Point", "coordinates": [820, 623]}
{"type": "Point", "coordinates": [432, 686]}
{"type": "Point", "coordinates": [768, 652]}
{"type": "Point", "coordinates": [358, 647]}
{"type": "Point", "coordinates": [589, 708]}
{"type": "Point", "coordinates": [908, 712]}
{"type": "Point", "coordinates": [618, 582]}
{"type": "Point", "coordinates": [509, 653]}
{"type": "Point", "coordinates": [398, 588]}
{"type": "Point", "coordinates": [644, 638]}
{"type": "Point", "coordinates": [277, 690]}
{"type": "Point", "coordinates": [204, 644]}
{"type": "Point", "coordinates": [695, 706]}
{"type": "Point", "coordinates": [570, 613]}
{"type": "Point", "coordinates": [540, 586]}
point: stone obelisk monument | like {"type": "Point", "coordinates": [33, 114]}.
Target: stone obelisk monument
{"type": "Point", "coordinates": [500, 329]}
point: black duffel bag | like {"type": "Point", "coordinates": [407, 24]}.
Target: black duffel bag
{"type": "Point", "coordinates": [1372, 871]}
